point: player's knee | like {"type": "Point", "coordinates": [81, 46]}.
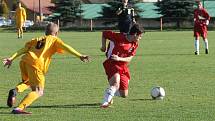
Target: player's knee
{"type": "Point", "coordinates": [115, 80]}
{"type": "Point", "coordinates": [39, 90]}
{"type": "Point", "coordinates": [41, 93]}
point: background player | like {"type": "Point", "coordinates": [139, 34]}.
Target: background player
{"type": "Point", "coordinates": [20, 19]}
{"type": "Point", "coordinates": [122, 49]}
{"type": "Point", "coordinates": [34, 64]}
{"type": "Point", "coordinates": [201, 20]}
{"type": "Point", "coordinates": [125, 15]}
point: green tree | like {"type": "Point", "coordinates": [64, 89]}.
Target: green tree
{"type": "Point", "coordinates": [4, 11]}
{"type": "Point", "coordinates": [66, 11]}
{"type": "Point", "coordinates": [176, 10]}
{"type": "Point", "coordinates": [109, 11]}
{"type": "Point", "coordinates": [14, 4]}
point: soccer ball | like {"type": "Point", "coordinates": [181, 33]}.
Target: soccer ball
{"type": "Point", "coordinates": [157, 93]}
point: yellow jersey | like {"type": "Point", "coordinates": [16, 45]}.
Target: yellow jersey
{"type": "Point", "coordinates": [20, 14]}
{"type": "Point", "coordinates": [40, 51]}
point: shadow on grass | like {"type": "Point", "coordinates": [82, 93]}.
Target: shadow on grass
{"type": "Point", "coordinates": [149, 99]}
{"type": "Point", "coordinates": [4, 108]}
{"type": "Point", "coordinates": [3, 113]}
{"type": "Point", "coordinates": [93, 105]}
{"type": "Point", "coordinates": [168, 54]}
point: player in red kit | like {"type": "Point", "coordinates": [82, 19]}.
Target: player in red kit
{"type": "Point", "coordinates": [201, 20]}
{"type": "Point", "coordinates": [120, 52]}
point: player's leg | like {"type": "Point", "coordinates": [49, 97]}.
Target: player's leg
{"type": "Point", "coordinates": [196, 43]}
{"type": "Point", "coordinates": [124, 83]}
{"type": "Point", "coordinates": [110, 91]}
{"type": "Point", "coordinates": [22, 86]}
{"type": "Point", "coordinates": [123, 90]}
{"type": "Point", "coordinates": [204, 36]}
{"type": "Point", "coordinates": [18, 29]}
{"type": "Point", "coordinates": [25, 78]}
{"type": "Point", "coordinates": [29, 99]}
{"type": "Point", "coordinates": [123, 93]}
{"type": "Point", "coordinates": [18, 33]}
{"type": "Point", "coordinates": [36, 80]}
{"type": "Point", "coordinates": [21, 30]}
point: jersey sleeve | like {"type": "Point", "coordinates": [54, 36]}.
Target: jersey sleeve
{"type": "Point", "coordinates": [110, 35]}
{"type": "Point", "coordinates": [58, 46]}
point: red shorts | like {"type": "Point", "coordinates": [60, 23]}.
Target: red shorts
{"type": "Point", "coordinates": [200, 31]}
{"type": "Point", "coordinates": [112, 67]}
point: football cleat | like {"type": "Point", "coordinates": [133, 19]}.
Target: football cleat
{"type": "Point", "coordinates": [106, 104]}
{"type": "Point", "coordinates": [196, 53]}
{"type": "Point", "coordinates": [20, 111]}
{"type": "Point", "coordinates": [111, 102]}
{"type": "Point", "coordinates": [11, 98]}
{"type": "Point", "coordinates": [206, 51]}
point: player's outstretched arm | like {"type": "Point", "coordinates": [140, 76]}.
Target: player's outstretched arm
{"type": "Point", "coordinates": [8, 61]}
{"type": "Point", "coordinates": [69, 49]}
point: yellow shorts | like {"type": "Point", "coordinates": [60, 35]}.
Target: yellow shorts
{"type": "Point", "coordinates": [32, 76]}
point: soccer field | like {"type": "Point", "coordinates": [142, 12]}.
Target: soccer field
{"type": "Point", "coordinates": [74, 89]}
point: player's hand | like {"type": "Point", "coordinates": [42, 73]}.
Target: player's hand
{"type": "Point", "coordinates": [103, 49]}
{"type": "Point", "coordinates": [7, 62]}
{"type": "Point", "coordinates": [207, 22]}
{"type": "Point", "coordinates": [115, 57]}
{"type": "Point", "coordinates": [85, 58]}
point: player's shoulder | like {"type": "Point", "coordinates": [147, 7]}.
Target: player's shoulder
{"type": "Point", "coordinates": [53, 38]}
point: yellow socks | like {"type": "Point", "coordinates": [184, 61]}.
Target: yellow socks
{"type": "Point", "coordinates": [31, 97]}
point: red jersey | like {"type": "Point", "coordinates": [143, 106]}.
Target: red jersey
{"type": "Point", "coordinates": [119, 45]}
{"type": "Point", "coordinates": [200, 17]}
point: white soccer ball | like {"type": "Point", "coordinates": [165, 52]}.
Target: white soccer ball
{"type": "Point", "coordinates": [157, 93]}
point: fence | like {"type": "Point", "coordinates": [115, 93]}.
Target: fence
{"type": "Point", "coordinates": [158, 23]}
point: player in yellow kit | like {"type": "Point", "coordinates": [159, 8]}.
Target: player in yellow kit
{"type": "Point", "coordinates": [34, 64]}
{"type": "Point", "coordinates": [20, 19]}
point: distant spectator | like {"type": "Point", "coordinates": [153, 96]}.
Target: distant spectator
{"type": "Point", "coordinates": [125, 15]}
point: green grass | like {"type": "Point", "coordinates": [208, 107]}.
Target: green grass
{"type": "Point", "coordinates": [74, 89]}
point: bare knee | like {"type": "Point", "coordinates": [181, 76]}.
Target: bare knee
{"type": "Point", "coordinates": [38, 90]}
{"type": "Point", "coordinates": [40, 93]}
{"type": "Point", "coordinates": [115, 80]}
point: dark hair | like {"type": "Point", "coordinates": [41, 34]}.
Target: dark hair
{"type": "Point", "coordinates": [135, 29]}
